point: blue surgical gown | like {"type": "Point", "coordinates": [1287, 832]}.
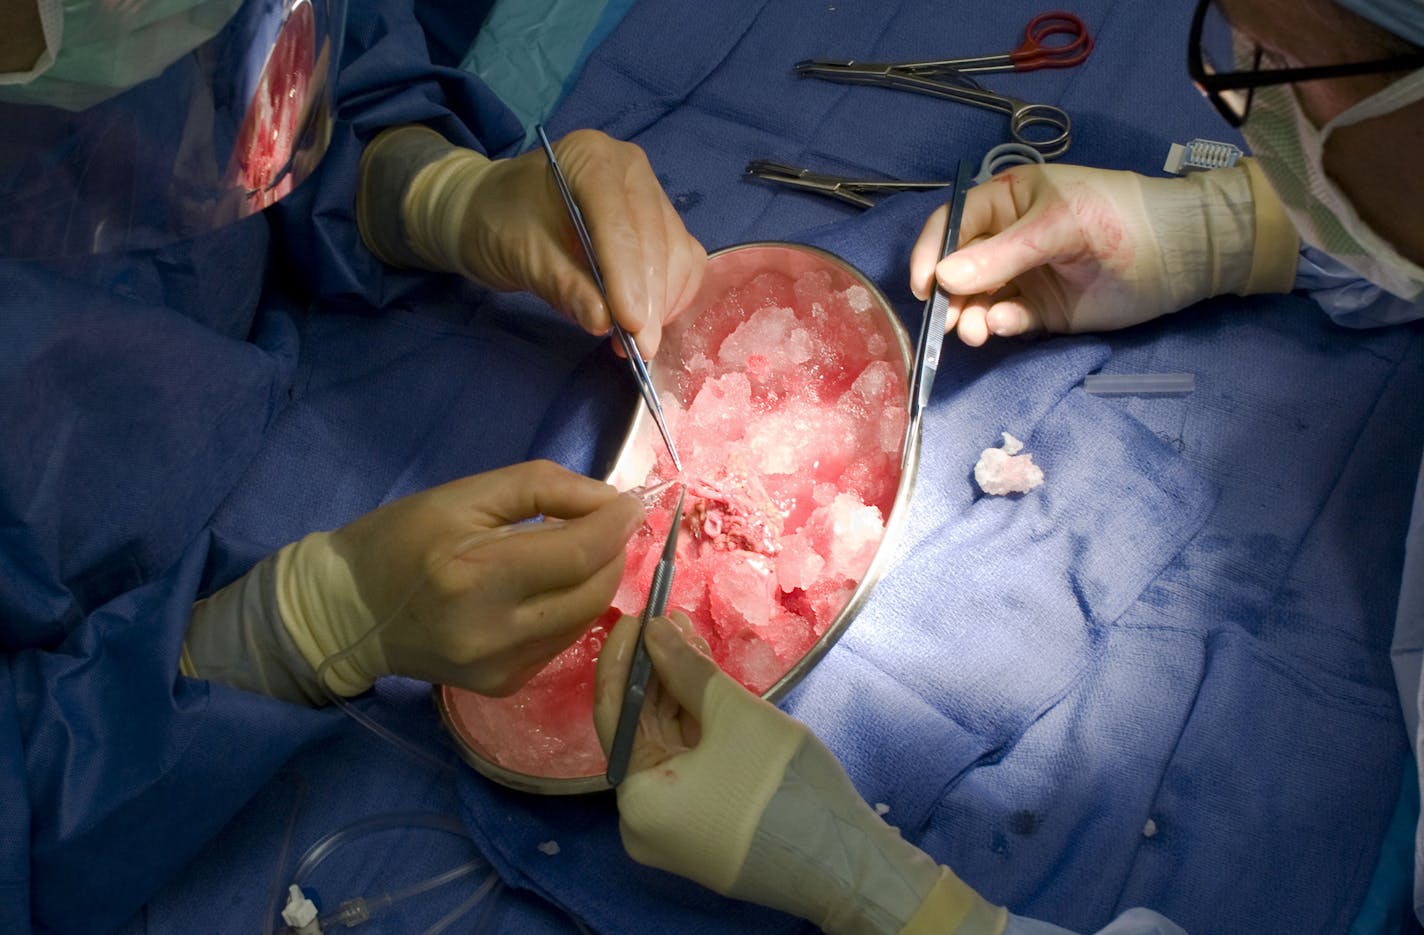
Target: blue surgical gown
{"type": "Point", "coordinates": [136, 391]}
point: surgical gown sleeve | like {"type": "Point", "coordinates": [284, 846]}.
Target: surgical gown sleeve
{"type": "Point", "coordinates": [1357, 303]}
{"type": "Point", "coordinates": [1349, 300]}
{"type": "Point", "coordinates": [123, 423]}
{"type": "Point", "coordinates": [135, 392]}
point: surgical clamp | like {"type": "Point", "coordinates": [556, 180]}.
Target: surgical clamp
{"type": "Point", "coordinates": [852, 191]}
{"type": "Point", "coordinates": [1035, 52]}
{"type": "Point", "coordinates": [1045, 127]}
{"type": "Point", "coordinates": [858, 191]}
{"type": "Point", "coordinates": [1024, 117]}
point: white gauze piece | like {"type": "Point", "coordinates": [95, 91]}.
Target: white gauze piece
{"type": "Point", "coordinates": [1003, 470]}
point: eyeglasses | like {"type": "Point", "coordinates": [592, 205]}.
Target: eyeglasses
{"type": "Point", "coordinates": [1211, 62]}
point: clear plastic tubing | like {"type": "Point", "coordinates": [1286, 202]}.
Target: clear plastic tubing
{"type": "Point", "coordinates": [1140, 384]}
{"type": "Point", "coordinates": [353, 912]}
{"type": "Point", "coordinates": [318, 852]}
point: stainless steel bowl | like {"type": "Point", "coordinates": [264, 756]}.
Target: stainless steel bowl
{"type": "Point", "coordinates": [727, 268]}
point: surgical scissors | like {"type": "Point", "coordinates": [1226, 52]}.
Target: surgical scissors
{"type": "Point", "coordinates": [641, 667]}
{"type": "Point", "coordinates": [630, 349]}
{"type": "Point", "coordinates": [1045, 127]}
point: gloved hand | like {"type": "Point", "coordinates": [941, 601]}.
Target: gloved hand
{"type": "Point", "coordinates": [437, 586]}
{"type": "Point", "coordinates": [1070, 249]}
{"type": "Point", "coordinates": [425, 203]}
{"type": "Point", "coordinates": [727, 790]}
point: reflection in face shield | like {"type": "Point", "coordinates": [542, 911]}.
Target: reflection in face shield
{"type": "Point", "coordinates": [95, 49]}
{"type": "Point", "coordinates": [228, 127]}
{"type": "Point", "coordinates": [267, 141]}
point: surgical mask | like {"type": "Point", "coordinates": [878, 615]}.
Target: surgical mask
{"type": "Point", "coordinates": [1290, 150]}
{"type": "Point", "coordinates": [96, 48]}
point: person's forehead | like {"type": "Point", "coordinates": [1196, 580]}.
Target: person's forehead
{"type": "Point", "coordinates": [1268, 18]}
{"type": "Point", "coordinates": [1301, 25]}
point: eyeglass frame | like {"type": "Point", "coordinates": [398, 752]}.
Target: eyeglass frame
{"type": "Point", "coordinates": [1211, 84]}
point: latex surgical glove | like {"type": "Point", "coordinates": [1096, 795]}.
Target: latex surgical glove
{"type": "Point", "coordinates": [425, 203]}
{"type": "Point", "coordinates": [438, 586]}
{"type": "Point", "coordinates": [1071, 249]}
{"type": "Point", "coordinates": [727, 790]}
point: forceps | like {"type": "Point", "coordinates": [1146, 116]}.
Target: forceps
{"type": "Point", "coordinates": [630, 349]}
{"type": "Point", "coordinates": [926, 363]}
{"type": "Point", "coordinates": [642, 665]}
{"type": "Point", "coordinates": [1045, 127]}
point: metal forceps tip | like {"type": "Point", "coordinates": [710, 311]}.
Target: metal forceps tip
{"type": "Point", "coordinates": [936, 313]}
{"type": "Point", "coordinates": [630, 348]}
{"type": "Point", "coordinates": [639, 670]}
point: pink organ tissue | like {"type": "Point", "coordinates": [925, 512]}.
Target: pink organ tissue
{"type": "Point", "coordinates": [788, 410]}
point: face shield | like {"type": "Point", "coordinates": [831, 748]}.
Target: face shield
{"type": "Point", "coordinates": [150, 121]}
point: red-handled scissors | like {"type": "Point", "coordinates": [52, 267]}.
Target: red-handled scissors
{"type": "Point", "coordinates": [1035, 53]}
{"type": "Point", "coordinates": [1044, 127]}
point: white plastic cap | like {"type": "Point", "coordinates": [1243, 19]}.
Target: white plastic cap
{"type": "Point", "coordinates": [300, 911]}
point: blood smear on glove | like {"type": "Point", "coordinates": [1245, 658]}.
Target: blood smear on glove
{"type": "Point", "coordinates": [788, 411]}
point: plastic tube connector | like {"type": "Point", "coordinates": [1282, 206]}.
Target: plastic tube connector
{"type": "Point", "coordinates": [300, 913]}
{"type": "Point", "coordinates": [1139, 384]}
{"type": "Point", "coordinates": [1200, 155]}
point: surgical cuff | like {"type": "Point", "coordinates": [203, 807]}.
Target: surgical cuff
{"type": "Point", "coordinates": [236, 637]}
{"type": "Point", "coordinates": [435, 206]}
{"type": "Point", "coordinates": [390, 164]}
{"type": "Point", "coordinates": [953, 908]}
{"type": "Point", "coordinates": [1223, 247]}
{"type": "Point", "coordinates": [323, 613]}
{"type": "Point", "coordinates": [1275, 252]}
{"type": "Point", "coordinates": [1217, 236]}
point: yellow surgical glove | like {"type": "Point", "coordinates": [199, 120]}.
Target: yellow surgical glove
{"type": "Point", "coordinates": [1066, 248]}
{"type": "Point", "coordinates": [448, 585]}
{"type": "Point", "coordinates": [425, 203]}
{"type": "Point", "coordinates": [727, 790]}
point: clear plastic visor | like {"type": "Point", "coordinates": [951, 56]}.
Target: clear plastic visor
{"type": "Point", "coordinates": [222, 131]}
